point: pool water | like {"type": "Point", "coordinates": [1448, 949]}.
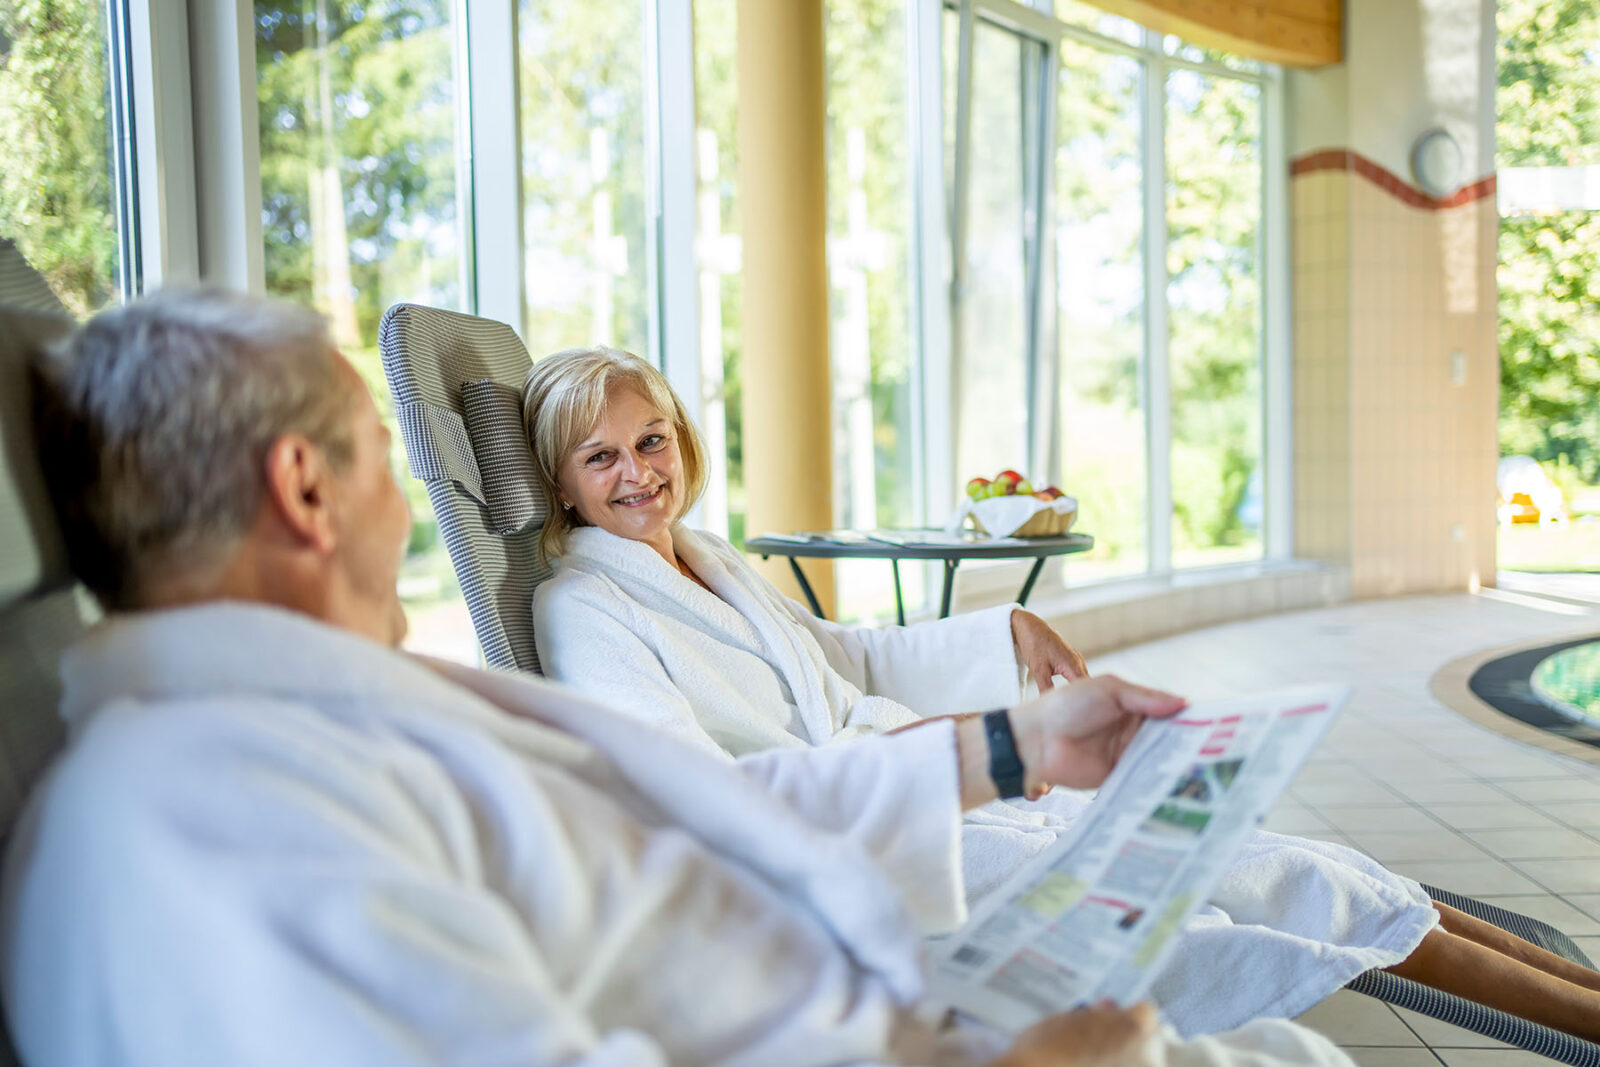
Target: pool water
{"type": "Point", "coordinates": [1570, 679]}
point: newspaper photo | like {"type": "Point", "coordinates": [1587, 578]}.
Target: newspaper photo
{"type": "Point", "coordinates": [1092, 917]}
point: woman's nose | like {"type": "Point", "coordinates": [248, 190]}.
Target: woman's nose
{"type": "Point", "coordinates": [633, 466]}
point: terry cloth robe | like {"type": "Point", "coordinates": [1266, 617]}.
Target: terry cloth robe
{"type": "Point", "coordinates": [271, 842]}
{"type": "Point", "coordinates": [749, 669]}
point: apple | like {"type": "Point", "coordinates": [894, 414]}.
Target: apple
{"type": "Point", "coordinates": [1023, 488]}
{"type": "Point", "coordinates": [1010, 478]}
{"type": "Point", "coordinates": [996, 489]}
{"type": "Point", "coordinates": [977, 488]}
{"type": "Point", "coordinates": [1049, 493]}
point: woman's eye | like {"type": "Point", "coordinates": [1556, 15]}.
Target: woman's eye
{"type": "Point", "coordinates": [652, 442]}
{"type": "Point", "coordinates": [599, 459]}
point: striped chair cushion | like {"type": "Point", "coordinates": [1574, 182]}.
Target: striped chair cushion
{"type": "Point", "coordinates": [455, 380]}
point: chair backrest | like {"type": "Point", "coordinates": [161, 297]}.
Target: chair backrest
{"type": "Point", "coordinates": [41, 609]}
{"type": "Point", "coordinates": [456, 381]}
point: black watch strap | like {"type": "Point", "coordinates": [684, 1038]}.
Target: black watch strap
{"type": "Point", "coordinates": [1005, 766]}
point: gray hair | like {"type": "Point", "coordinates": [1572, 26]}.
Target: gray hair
{"type": "Point", "coordinates": [154, 423]}
{"type": "Point", "coordinates": [563, 398]}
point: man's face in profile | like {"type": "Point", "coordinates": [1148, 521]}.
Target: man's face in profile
{"type": "Point", "coordinates": [370, 512]}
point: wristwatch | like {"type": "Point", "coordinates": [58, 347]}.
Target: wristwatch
{"type": "Point", "coordinates": [1005, 766]}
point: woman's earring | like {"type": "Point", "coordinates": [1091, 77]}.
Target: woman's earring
{"type": "Point", "coordinates": [566, 505]}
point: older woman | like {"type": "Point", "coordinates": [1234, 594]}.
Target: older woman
{"type": "Point", "coordinates": [675, 627]}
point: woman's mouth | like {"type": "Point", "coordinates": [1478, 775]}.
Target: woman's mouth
{"type": "Point", "coordinates": [640, 499]}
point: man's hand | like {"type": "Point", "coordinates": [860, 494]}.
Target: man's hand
{"type": "Point", "coordinates": [1071, 735]}
{"type": "Point", "coordinates": [1043, 651]}
{"type": "Point", "coordinates": [1101, 1036]}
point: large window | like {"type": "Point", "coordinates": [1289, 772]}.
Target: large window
{"type": "Point", "coordinates": [357, 112]}
{"type": "Point", "coordinates": [1100, 301]}
{"type": "Point", "coordinates": [65, 219]}
{"type": "Point", "coordinates": [1136, 382]}
{"type": "Point", "coordinates": [583, 173]}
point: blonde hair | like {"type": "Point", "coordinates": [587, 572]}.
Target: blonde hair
{"type": "Point", "coordinates": [564, 397]}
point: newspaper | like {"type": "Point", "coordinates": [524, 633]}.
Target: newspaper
{"type": "Point", "coordinates": [1093, 916]}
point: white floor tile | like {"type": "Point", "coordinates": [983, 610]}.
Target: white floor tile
{"type": "Point", "coordinates": [1584, 815]}
{"type": "Point", "coordinates": [1348, 1018]}
{"type": "Point", "coordinates": [1563, 876]}
{"type": "Point", "coordinates": [1507, 814]}
{"type": "Point", "coordinates": [1392, 1057]}
{"type": "Point", "coordinates": [1435, 844]}
{"type": "Point", "coordinates": [1536, 844]}
{"type": "Point", "coordinates": [1545, 790]}
{"type": "Point", "coordinates": [1399, 818]}
{"type": "Point", "coordinates": [1436, 1033]}
{"type": "Point", "coordinates": [1428, 793]}
{"type": "Point", "coordinates": [1566, 917]}
{"type": "Point", "coordinates": [1487, 1057]}
{"type": "Point", "coordinates": [1473, 878]}
{"type": "Point", "coordinates": [1586, 902]}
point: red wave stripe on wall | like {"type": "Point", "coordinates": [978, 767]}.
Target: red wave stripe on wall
{"type": "Point", "coordinates": [1388, 181]}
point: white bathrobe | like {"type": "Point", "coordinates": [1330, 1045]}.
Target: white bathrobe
{"type": "Point", "coordinates": [748, 669]}
{"type": "Point", "coordinates": [271, 842]}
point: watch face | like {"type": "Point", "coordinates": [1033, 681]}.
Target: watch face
{"type": "Point", "coordinates": [1437, 163]}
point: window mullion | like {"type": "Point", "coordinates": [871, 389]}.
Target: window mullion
{"type": "Point", "coordinates": [1043, 357]}
{"type": "Point", "coordinates": [227, 146]}
{"type": "Point", "coordinates": [163, 139]}
{"type": "Point", "coordinates": [493, 145]}
{"type": "Point", "coordinates": [675, 288]}
{"type": "Point", "coordinates": [1277, 332]}
{"type": "Point", "coordinates": [1157, 376]}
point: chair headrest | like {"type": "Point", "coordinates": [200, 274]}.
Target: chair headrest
{"type": "Point", "coordinates": [33, 557]}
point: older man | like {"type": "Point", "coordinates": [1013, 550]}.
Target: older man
{"type": "Point", "coordinates": [274, 839]}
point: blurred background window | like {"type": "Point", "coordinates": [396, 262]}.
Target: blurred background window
{"type": "Point", "coordinates": [66, 227]}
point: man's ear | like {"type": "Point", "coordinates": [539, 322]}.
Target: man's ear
{"type": "Point", "coordinates": [300, 490]}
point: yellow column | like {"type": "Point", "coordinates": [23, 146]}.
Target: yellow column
{"type": "Point", "coordinates": [788, 457]}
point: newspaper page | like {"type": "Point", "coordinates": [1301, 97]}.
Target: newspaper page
{"type": "Point", "coordinates": [1093, 916]}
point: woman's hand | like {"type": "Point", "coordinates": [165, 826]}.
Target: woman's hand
{"type": "Point", "coordinates": [1043, 651]}
{"type": "Point", "coordinates": [1101, 1036]}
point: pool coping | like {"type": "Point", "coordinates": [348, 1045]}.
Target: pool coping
{"type": "Point", "coordinates": [1450, 685]}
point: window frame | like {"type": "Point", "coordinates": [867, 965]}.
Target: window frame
{"type": "Point", "coordinates": [940, 350]}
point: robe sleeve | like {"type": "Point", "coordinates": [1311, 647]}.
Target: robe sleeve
{"type": "Point", "coordinates": [898, 798]}
{"type": "Point", "coordinates": [301, 908]}
{"type": "Point", "coordinates": [605, 660]}
{"type": "Point", "coordinates": [940, 667]}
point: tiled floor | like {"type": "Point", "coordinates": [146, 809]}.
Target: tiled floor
{"type": "Point", "coordinates": [1409, 781]}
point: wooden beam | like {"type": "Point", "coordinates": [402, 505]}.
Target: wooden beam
{"type": "Point", "coordinates": [1294, 33]}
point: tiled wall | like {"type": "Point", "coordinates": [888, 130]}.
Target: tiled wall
{"type": "Point", "coordinates": [1395, 433]}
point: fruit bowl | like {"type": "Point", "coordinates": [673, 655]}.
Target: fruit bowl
{"type": "Point", "coordinates": [1009, 506]}
{"type": "Point", "coordinates": [1021, 516]}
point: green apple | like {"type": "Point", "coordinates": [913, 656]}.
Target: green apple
{"type": "Point", "coordinates": [977, 488]}
{"type": "Point", "coordinates": [1023, 488]}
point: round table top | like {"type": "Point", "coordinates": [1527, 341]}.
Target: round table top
{"type": "Point", "coordinates": [861, 544]}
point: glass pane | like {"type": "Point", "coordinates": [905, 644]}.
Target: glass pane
{"type": "Point", "coordinates": [357, 110]}
{"type": "Point", "coordinates": [718, 256]}
{"type": "Point", "coordinates": [583, 173]}
{"type": "Point", "coordinates": [870, 210]}
{"type": "Point", "coordinates": [1176, 46]}
{"type": "Point", "coordinates": [59, 242]}
{"type": "Point", "coordinates": [1100, 301]}
{"type": "Point", "coordinates": [1214, 301]}
{"type": "Point", "coordinates": [1088, 17]}
{"type": "Point", "coordinates": [992, 378]}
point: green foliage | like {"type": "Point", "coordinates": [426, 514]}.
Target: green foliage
{"type": "Point", "coordinates": [55, 182]}
{"type": "Point", "coordinates": [1214, 304]}
{"type": "Point", "coordinates": [1549, 115]}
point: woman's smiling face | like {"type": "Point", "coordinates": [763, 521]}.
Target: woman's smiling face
{"type": "Point", "coordinates": [626, 477]}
